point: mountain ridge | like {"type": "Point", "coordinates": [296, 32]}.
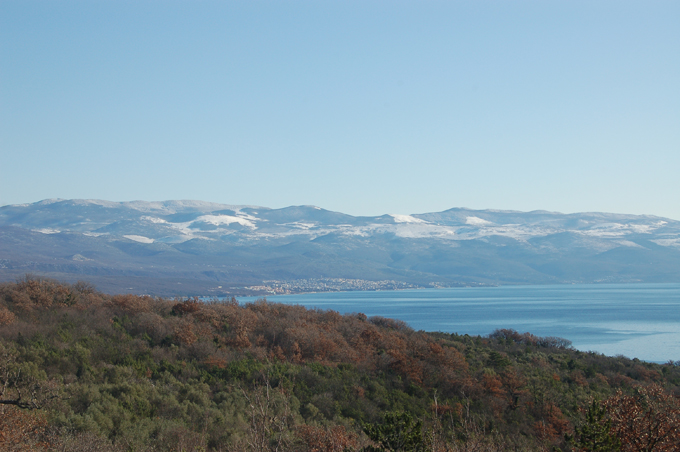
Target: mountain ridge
{"type": "Point", "coordinates": [206, 245]}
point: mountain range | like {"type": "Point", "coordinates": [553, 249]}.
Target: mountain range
{"type": "Point", "coordinates": [201, 248]}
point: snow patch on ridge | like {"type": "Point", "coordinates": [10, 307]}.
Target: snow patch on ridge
{"type": "Point", "coordinates": [629, 243]}
{"type": "Point", "coordinates": [642, 228]}
{"type": "Point", "coordinates": [407, 219]}
{"type": "Point", "coordinates": [80, 258]}
{"type": "Point", "coordinates": [418, 231]}
{"type": "Point", "coordinates": [299, 225]}
{"type": "Point", "coordinates": [668, 242]}
{"type": "Point", "coordinates": [224, 219]}
{"type": "Point", "coordinates": [248, 216]}
{"type": "Point", "coordinates": [94, 202]}
{"type": "Point", "coordinates": [154, 219]}
{"type": "Point", "coordinates": [404, 230]}
{"type": "Point", "coordinates": [46, 202]}
{"type": "Point", "coordinates": [47, 231]}
{"type": "Point", "coordinates": [139, 238]}
{"type": "Point", "coordinates": [476, 221]}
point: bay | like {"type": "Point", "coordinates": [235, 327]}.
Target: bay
{"type": "Point", "coordinates": [635, 320]}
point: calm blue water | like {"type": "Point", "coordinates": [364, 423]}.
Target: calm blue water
{"type": "Point", "coordinates": [636, 320]}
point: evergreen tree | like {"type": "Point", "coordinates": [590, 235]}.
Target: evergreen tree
{"type": "Point", "coordinates": [594, 435]}
{"type": "Point", "coordinates": [399, 432]}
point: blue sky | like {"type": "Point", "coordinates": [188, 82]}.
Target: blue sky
{"type": "Point", "coordinates": [365, 107]}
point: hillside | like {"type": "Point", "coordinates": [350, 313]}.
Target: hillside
{"type": "Point", "coordinates": [82, 370]}
{"type": "Point", "coordinates": [193, 247]}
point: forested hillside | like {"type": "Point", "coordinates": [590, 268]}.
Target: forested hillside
{"type": "Point", "coordinates": [84, 371]}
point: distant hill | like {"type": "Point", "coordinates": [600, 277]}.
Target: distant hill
{"type": "Point", "coordinates": [194, 247]}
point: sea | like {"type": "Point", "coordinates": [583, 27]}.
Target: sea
{"type": "Point", "coordinates": [633, 320]}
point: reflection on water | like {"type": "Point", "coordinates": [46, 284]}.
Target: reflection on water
{"type": "Point", "coordinates": [635, 320]}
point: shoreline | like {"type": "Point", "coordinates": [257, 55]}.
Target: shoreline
{"type": "Point", "coordinates": [595, 317]}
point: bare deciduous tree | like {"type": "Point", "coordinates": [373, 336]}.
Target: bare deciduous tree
{"type": "Point", "coordinates": [270, 418]}
{"type": "Point", "coordinates": [648, 421]}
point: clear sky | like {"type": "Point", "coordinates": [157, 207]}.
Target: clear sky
{"type": "Point", "coordinates": [365, 107]}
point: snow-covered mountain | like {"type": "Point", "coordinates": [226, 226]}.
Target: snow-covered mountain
{"type": "Point", "coordinates": [233, 245]}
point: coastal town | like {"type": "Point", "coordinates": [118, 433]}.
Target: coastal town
{"type": "Point", "coordinates": [330, 285]}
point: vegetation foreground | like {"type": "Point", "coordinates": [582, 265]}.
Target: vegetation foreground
{"type": "Point", "coordinates": [85, 371]}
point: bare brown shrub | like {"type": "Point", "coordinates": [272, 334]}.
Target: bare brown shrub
{"type": "Point", "coordinates": [6, 316]}
{"type": "Point", "coordinates": [185, 333]}
{"type": "Point", "coordinates": [130, 304]}
{"type": "Point", "coordinates": [188, 306]}
{"type": "Point", "coordinates": [327, 439]}
{"type": "Point", "coordinates": [23, 430]}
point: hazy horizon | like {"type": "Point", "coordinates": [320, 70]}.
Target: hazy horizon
{"type": "Point", "coordinates": [491, 209]}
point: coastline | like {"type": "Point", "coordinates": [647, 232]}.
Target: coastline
{"type": "Point", "coordinates": [602, 317]}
